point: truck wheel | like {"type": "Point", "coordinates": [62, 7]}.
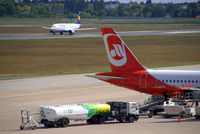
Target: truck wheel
{"type": "Point", "coordinates": [150, 115]}
{"type": "Point", "coordinates": [131, 119]}
{"type": "Point", "coordinates": [197, 117]}
{"type": "Point", "coordinates": [90, 121]}
{"type": "Point", "coordinates": [21, 127]}
{"type": "Point", "coordinates": [33, 127]}
{"type": "Point", "coordinates": [101, 121]}
{"type": "Point", "coordinates": [64, 122]}
{"type": "Point", "coordinates": [136, 117]}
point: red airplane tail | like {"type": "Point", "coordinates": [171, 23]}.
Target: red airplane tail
{"type": "Point", "coordinates": [120, 57]}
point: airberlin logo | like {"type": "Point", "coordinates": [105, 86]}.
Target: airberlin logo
{"type": "Point", "coordinates": [115, 50]}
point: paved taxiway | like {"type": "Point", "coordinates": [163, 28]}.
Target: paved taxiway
{"type": "Point", "coordinates": [89, 35]}
{"type": "Point", "coordinates": [30, 93]}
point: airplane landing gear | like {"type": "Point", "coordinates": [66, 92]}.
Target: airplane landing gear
{"type": "Point", "coordinates": [166, 96]}
{"type": "Point", "coordinates": [71, 33]}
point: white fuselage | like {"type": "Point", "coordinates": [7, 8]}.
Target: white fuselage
{"type": "Point", "coordinates": [64, 27]}
{"type": "Point", "coordinates": [178, 78]}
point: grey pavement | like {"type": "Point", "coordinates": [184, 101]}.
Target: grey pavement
{"type": "Point", "coordinates": [61, 81]}
{"type": "Point", "coordinates": [92, 35]}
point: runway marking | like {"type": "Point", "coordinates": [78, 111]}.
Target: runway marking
{"type": "Point", "coordinates": [56, 91]}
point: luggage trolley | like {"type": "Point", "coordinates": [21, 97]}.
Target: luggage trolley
{"type": "Point", "coordinates": [27, 118]}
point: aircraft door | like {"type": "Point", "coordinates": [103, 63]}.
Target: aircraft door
{"type": "Point", "coordinates": [143, 80]}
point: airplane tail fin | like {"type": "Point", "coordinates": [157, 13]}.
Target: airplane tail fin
{"type": "Point", "coordinates": [78, 20]}
{"type": "Point", "coordinates": [120, 57]}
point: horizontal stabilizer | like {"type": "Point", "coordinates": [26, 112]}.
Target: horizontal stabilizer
{"type": "Point", "coordinates": [46, 27]}
{"type": "Point", "coordinates": [84, 29]}
{"type": "Point", "coordinates": [106, 77]}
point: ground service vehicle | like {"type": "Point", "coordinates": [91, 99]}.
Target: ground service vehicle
{"type": "Point", "coordinates": [179, 107]}
{"type": "Point", "coordinates": [120, 111]}
{"type": "Point", "coordinates": [61, 115]}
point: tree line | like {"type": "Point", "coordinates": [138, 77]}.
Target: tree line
{"type": "Point", "coordinates": [95, 9]}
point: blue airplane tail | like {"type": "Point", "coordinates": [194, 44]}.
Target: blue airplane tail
{"type": "Point", "coordinates": [78, 20]}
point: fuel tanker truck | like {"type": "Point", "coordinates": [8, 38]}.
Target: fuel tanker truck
{"type": "Point", "coordinates": [60, 115]}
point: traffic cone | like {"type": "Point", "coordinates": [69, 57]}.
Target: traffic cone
{"type": "Point", "coordinates": [179, 118]}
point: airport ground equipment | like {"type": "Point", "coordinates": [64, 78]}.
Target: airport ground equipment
{"type": "Point", "coordinates": [185, 105]}
{"type": "Point", "coordinates": [93, 113]}
{"type": "Point", "coordinates": [172, 108]}
{"type": "Point", "coordinates": [120, 111]}
{"type": "Point", "coordinates": [151, 106]}
{"type": "Point", "coordinates": [29, 119]}
{"type": "Point", "coordinates": [184, 108]}
{"type": "Point", "coordinates": [60, 115]}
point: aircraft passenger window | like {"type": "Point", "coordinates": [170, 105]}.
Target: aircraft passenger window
{"type": "Point", "coordinates": [196, 81]}
{"type": "Point", "coordinates": [181, 81]}
{"type": "Point", "coordinates": [185, 81]}
{"type": "Point", "coordinates": [162, 80]}
{"type": "Point", "coordinates": [192, 81]}
{"type": "Point", "coordinates": [189, 81]}
{"type": "Point", "coordinates": [174, 81]}
{"type": "Point", "coordinates": [170, 81]}
{"type": "Point", "coordinates": [166, 80]}
{"type": "Point", "coordinates": [177, 81]}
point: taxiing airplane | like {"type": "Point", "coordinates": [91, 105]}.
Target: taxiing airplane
{"type": "Point", "coordinates": [67, 27]}
{"type": "Point", "coordinates": [128, 72]}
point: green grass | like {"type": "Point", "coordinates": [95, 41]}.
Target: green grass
{"type": "Point", "coordinates": [118, 20]}
{"type": "Point", "coordinates": [118, 24]}
{"type": "Point", "coordinates": [69, 56]}
{"type": "Point", "coordinates": [117, 27]}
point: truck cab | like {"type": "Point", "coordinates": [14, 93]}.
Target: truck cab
{"type": "Point", "coordinates": [119, 111]}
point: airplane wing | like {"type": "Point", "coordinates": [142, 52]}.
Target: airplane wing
{"type": "Point", "coordinates": [106, 77]}
{"type": "Point", "coordinates": [45, 27]}
{"type": "Point", "coordinates": [83, 29]}
{"type": "Point", "coordinates": [190, 88]}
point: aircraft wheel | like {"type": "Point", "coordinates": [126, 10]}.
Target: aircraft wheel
{"type": "Point", "coordinates": [70, 32]}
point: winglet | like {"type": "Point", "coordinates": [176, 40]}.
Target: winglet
{"type": "Point", "coordinates": [78, 20]}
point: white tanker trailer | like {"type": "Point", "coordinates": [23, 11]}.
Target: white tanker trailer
{"type": "Point", "coordinates": [60, 115]}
